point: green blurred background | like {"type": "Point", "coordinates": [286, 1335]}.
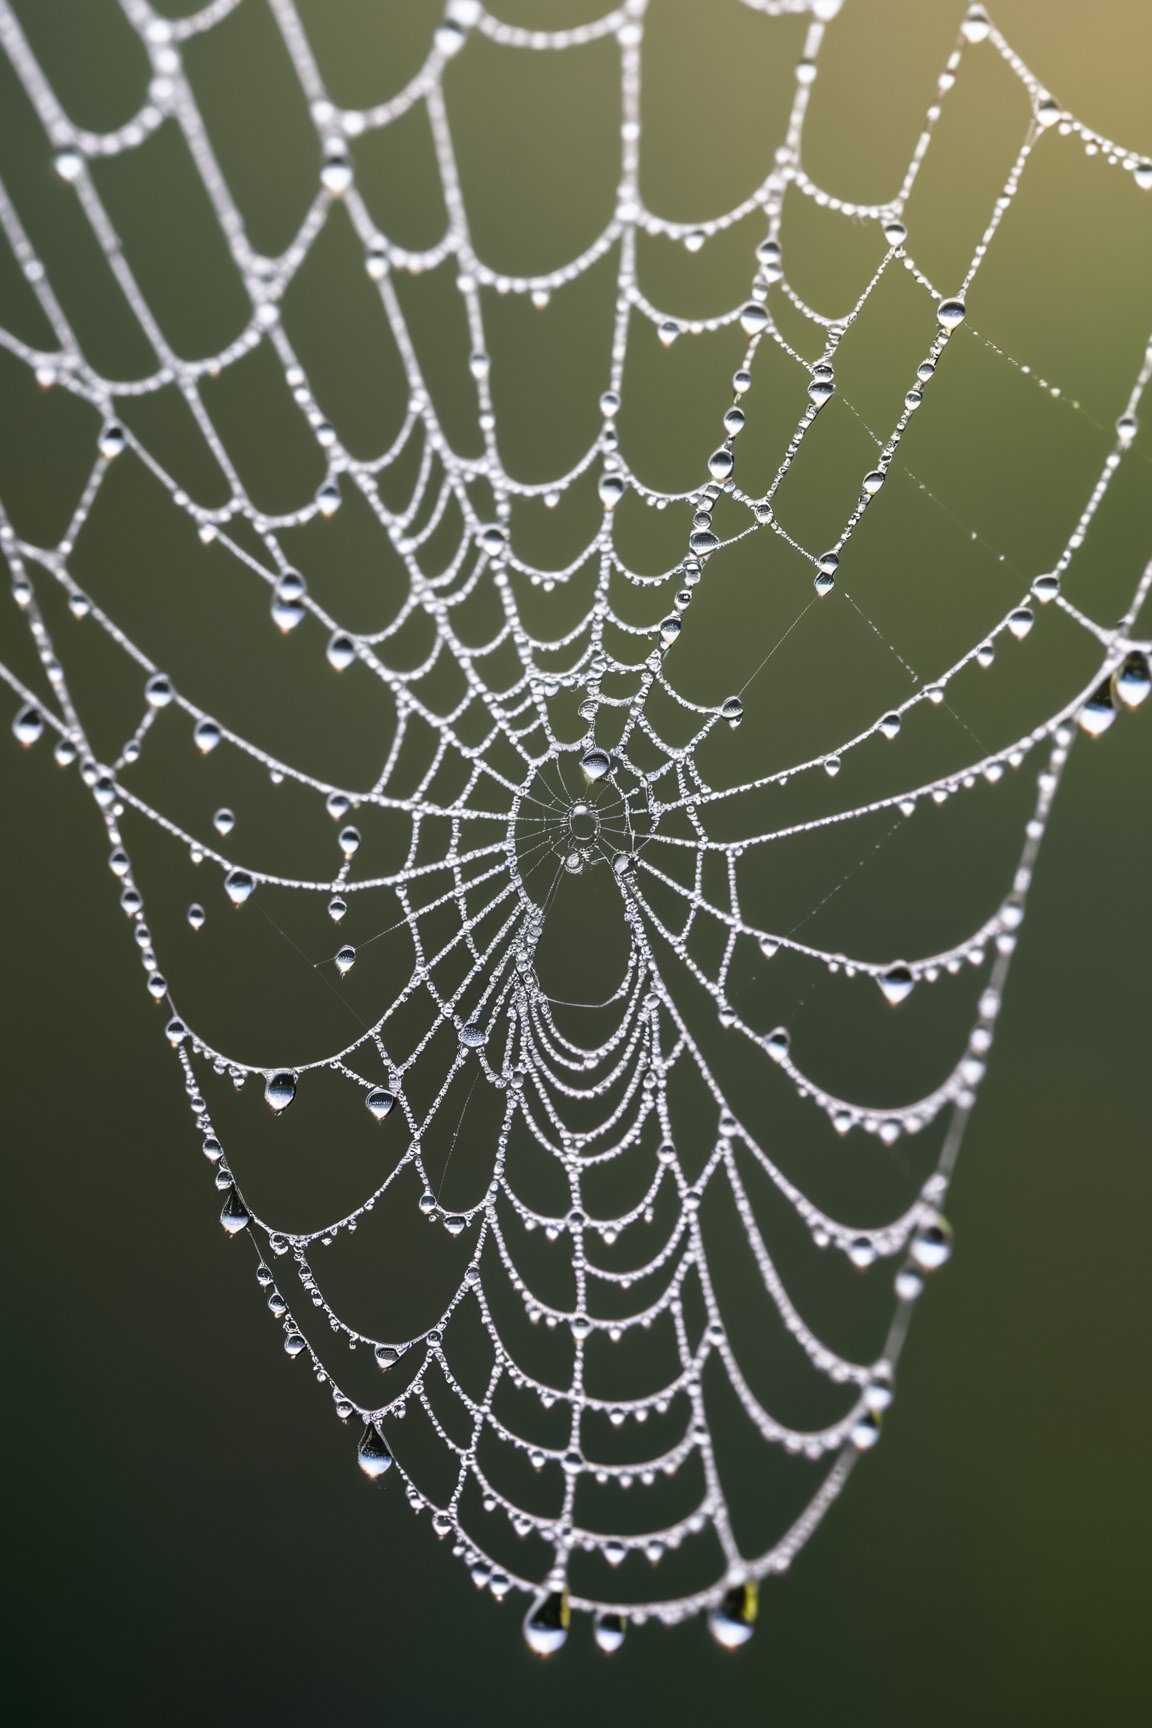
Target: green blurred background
{"type": "Point", "coordinates": [187, 1535]}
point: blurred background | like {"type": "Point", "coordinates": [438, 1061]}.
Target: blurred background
{"type": "Point", "coordinates": [187, 1530]}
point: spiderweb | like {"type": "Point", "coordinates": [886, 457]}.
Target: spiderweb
{"type": "Point", "coordinates": [553, 767]}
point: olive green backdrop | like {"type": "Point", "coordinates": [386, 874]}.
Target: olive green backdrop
{"type": "Point", "coordinates": [187, 1539]}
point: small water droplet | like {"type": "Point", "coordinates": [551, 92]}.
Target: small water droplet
{"type": "Point", "coordinates": [611, 489]}
{"type": "Point", "coordinates": [778, 1043]}
{"type": "Point", "coordinates": [895, 232]}
{"type": "Point", "coordinates": [608, 1629]}
{"type": "Point", "coordinates": [379, 1103]}
{"type": "Point", "coordinates": [28, 725]}
{"type": "Point", "coordinates": [976, 26]}
{"type": "Point", "coordinates": [753, 318]}
{"type": "Point", "coordinates": [732, 710]}
{"type": "Point", "coordinates": [206, 735]}
{"type": "Point", "coordinates": [112, 441]}
{"type": "Point", "coordinates": [345, 959]}
{"type": "Point", "coordinates": [1132, 681]}
{"type": "Point", "coordinates": [889, 725]}
{"type": "Point", "coordinates": [1021, 621]}
{"type": "Point", "coordinates": [288, 607]}
{"type": "Point", "coordinates": [897, 983]}
{"type": "Point", "coordinates": [337, 907]}
{"type": "Point", "coordinates": [1099, 711]}
{"type": "Point", "coordinates": [196, 915]}
{"type": "Point", "coordinates": [336, 173]}
{"type": "Point", "coordinates": [340, 652]}
{"type": "Point", "coordinates": [1126, 429]}
{"type": "Point", "coordinates": [931, 1246]}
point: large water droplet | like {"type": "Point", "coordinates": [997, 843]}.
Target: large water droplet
{"type": "Point", "coordinates": [720, 463]}
{"type": "Point", "coordinates": [1132, 681]}
{"type": "Point", "coordinates": [733, 1620]}
{"type": "Point", "coordinates": [28, 725]}
{"type": "Point", "coordinates": [345, 959]}
{"type": "Point", "coordinates": [206, 735]}
{"type": "Point", "coordinates": [279, 1090]}
{"type": "Point", "coordinates": [379, 1103]}
{"type": "Point", "coordinates": [239, 886]}
{"type": "Point", "coordinates": [473, 1035]}
{"type": "Point", "coordinates": [1098, 712]}
{"type": "Point", "coordinates": [546, 1623]}
{"type": "Point", "coordinates": [372, 1454]}
{"type": "Point", "coordinates": [950, 313]}
{"type": "Point", "coordinates": [897, 983]}
{"type": "Point", "coordinates": [608, 1630]}
{"type": "Point", "coordinates": [340, 652]}
{"type": "Point", "coordinates": [596, 763]}
{"type": "Point", "coordinates": [234, 1214]}
{"type": "Point", "coordinates": [931, 1245]}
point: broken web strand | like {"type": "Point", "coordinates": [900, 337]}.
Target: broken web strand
{"type": "Point", "coordinates": [505, 1025]}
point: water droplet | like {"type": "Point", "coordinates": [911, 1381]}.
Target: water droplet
{"type": "Point", "coordinates": [889, 725]}
{"type": "Point", "coordinates": [976, 26]}
{"type": "Point", "coordinates": [865, 1431]}
{"type": "Point", "coordinates": [931, 1246]}
{"type": "Point", "coordinates": [733, 1620]}
{"type": "Point", "coordinates": [670, 628]}
{"type": "Point", "coordinates": [288, 601]}
{"type": "Point", "coordinates": [1046, 588]}
{"type": "Point", "coordinates": [349, 839]}
{"type": "Point", "coordinates": [279, 1090]}
{"type": "Point", "coordinates": [1021, 621]}
{"type": "Point", "coordinates": [1133, 680]}
{"type": "Point", "coordinates": [596, 763]}
{"type": "Point", "coordinates": [950, 313]}
{"type": "Point", "coordinates": [493, 539]}
{"type": "Point", "coordinates": [720, 463]}
{"type": "Point", "coordinates": [234, 1215]}
{"type": "Point", "coordinates": [778, 1043]}
{"type": "Point", "coordinates": [345, 960]}
{"type": "Point", "coordinates": [206, 735]}
{"type": "Point", "coordinates": [379, 1103]}
{"type": "Point", "coordinates": [372, 1454]}
{"type": "Point", "coordinates": [821, 389]}
{"type": "Point", "coordinates": [667, 331]}
{"type": "Point", "coordinates": [112, 441]}
{"type": "Point", "coordinates": [608, 1630]}
{"type": "Point", "coordinates": [336, 173]}
{"type": "Point", "coordinates": [895, 233]}
{"type": "Point", "coordinates": [546, 1623]}
{"type": "Point", "coordinates": [328, 499]}
{"type": "Point", "coordinates": [196, 916]}
{"type": "Point", "coordinates": [702, 541]}
{"type": "Point", "coordinates": [612, 489]}
{"type": "Point", "coordinates": [1098, 712]}
{"type": "Point", "coordinates": [340, 652]}
{"type": "Point", "coordinates": [872, 482]}
{"type": "Point", "coordinates": [294, 1345]}
{"type": "Point", "coordinates": [753, 318]}
{"type": "Point", "coordinates": [28, 725]}
{"type": "Point", "coordinates": [1047, 113]}
{"type": "Point", "coordinates": [239, 886]}
{"type": "Point", "coordinates": [337, 907]}
{"type": "Point", "coordinates": [158, 691]}
{"type": "Point", "coordinates": [897, 983]}
{"type": "Point", "coordinates": [1142, 174]}
{"type": "Point", "coordinates": [473, 1035]}
{"type": "Point", "coordinates": [1126, 429]}
{"type": "Point", "coordinates": [376, 263]}
{"type": "Point", "coordinates": [732, 710]}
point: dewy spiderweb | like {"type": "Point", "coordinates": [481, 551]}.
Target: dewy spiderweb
{"type": "Point", "coordinates": [560, 753]}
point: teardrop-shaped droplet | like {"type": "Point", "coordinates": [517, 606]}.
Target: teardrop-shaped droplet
{"type": "Point", "coordinates": [372, 1454]}
{"type": "Point", "coordinates": [950, 313]}
{"type": "Point", "coordinates": [931, 1244]}
{"type": "Point", "coordinates": [1046, 587]}
{"type": "Point", "coordinates": [1099, 711]}
{"type": "Point", "coordinates": [349, 841]}
{"type": "Point", "coordinates": [720, 463]}
{"type": "Point", "coordinates": [1021, 621]}
{"type": "Point", "coordinates": [976, 26]}
{"type": "Point", "coordinates": [667, 331]}
{"type": "Point", "coordinates": [69, 165]}
{"type": "Point", "coordinates": [702, 541]}
{"type": "Point", "coordinates": [753, 318]}
{"type": "Point", "coordinates": [158, 691]}
{"type": "Point", "coordinates": [546, 1623]}
{"type": "Point", "coordinates": [732, 710]}
{"type": "Point", "coordinates": [608, 1630]}
{"type": "Point", "coordinates": [223, 820]}
{"type": "Point", "coordinates": [473, 1035]}
{"type": "Point", "coordinates": [340, 652]}
{"type": "Point", "coordinates": [206, 735]}
{"type": "Point", "coordinates": [337, 907]}
{"type": "Point", "coordinates": [379, 1103]}
{"type": "Point", "coordinates": [288, 601]}
{"type": "Point", "coordinates": [345, 960]}
{"type": "Point", "coordinates": [596, 763]}
{"type": "Point", "coordinates": [112, 441]}
{"type": "Point", "coordinates": [865, 1430]}
{"type": "Point", "coordinates": [279, 1090]}
{"type": "Point", "coordinates": [234, 1214]}
{"type": "Point", "coordinates": [778, 1044]}
{"type": "Point", "coordinates": [196, 915]}
{"type": "Point", "coordinates": [28, 725]}
{"type": "Point", "coordinates": [1132, 681]}
{"type": "Point", "coordinates": [239, 886]}
{"type": "Point", "coordinates": [336, 174]}
{"type": "Point", "coordinates": [611, 490]}
{"type": "Point", "coordinates": [897, 983]}
{"type": "Point", "coordinates": [670, 628]}
{"type": "Point", "coordinates": [889, 725]}
{"type": "Point", "coordinates": [733, 1620]}
{"type": "Point", "coordinates": [895, 233]}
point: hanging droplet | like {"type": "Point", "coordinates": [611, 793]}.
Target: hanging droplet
{"type": "Point", "coordinates": [1126, 429]}
{"type": "Point", "coordinates": [596, 763]}
{"type": "Point", "coordinates": [279, 1090]}
{"type": "Point", "coordinates": [379, 1103]}
{"type": "Point", "coordinates": [288, 607]}
{"type": "Point", "coordinates": [1047, 113]}
{"type": "Point", "coordinates": [732, 710]}
{"type": "Point", "coordinates": [349, 839]}
{"type": "Point", "coordinates": [340, 652]}
{"type": "Point", "coordinates": [239, 886]}
{"type": "Point", "coordinates": [897, 983]}
{"type": "Point", "coordinates": [895, 232]}
{"type": "Point", "coordinates": [733, 1620]}
{"type": "Point", "coordinates": [670, 628]}
{"type": "Point", "coordinates": [611, 490]}
{"type": "Point", "coordinates": [720, 463]}
{"type": "Point", "coordinates": [865, 1431]}
{"type": "Point", "coordinates": [69, 164]}
{"type": "Point", "coordinates": [112, 441]}
{"type": "Point", "coordinates": [778, 1043]}
{"type": "Point", "coordinates": [753, 318]}
{"type": "Point", "coordinates": [337, 907]}
{"type": "Point", "coordinates": [608, 1630]}
{"type": "Point", "coordinates": [336, 173]}
{"type": "Point", "coordinates": [196, 916]}
{"type": "Point", "coordinates": [206, 735]}
{"type": "Point", "coordinates": [372, 1454]}
{"type": "Point", "coordinates": [889, 725]}
{"type": "Point", "coordinates": [1132, 680]}
{"type": "Point", "coordinates": [546, 1623]}
{"type": "Point", "coordinates": [667, 331]}
{"type": "Point", "coordinates": [931, 1245]}
{"type": "Point", "coordinates": [234, 1215]}
{"type": "Point", "coordinates": [224, 820]}
{"type": "Point", "coordinates": [872, 482]}
{"type": "Point", "coordinates": [950, 313]}
{"type": "Point", "coordinates": [976, 26]}
{"type": "Point", "coordinates": [702, 541]}
{"type": "Point", "coordinates": [158, 691]}
{"type": "Point", "coordinates": [1046, 588]}
{"type": "Point", "coordinates": [473, 1035]}
{"type": "Point", "coordinates": [1021, 621]}
{"type": "Point", "coordinates": [821, 389]}
{"type": "Point", "coordinates": [28, 725]}
{"type": "Point", "coordinates": [345, 959]}
{"type": "Point", "coordinates": [1142, 174]}
{"type": "Point", "coordinates": [1098, 712]}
